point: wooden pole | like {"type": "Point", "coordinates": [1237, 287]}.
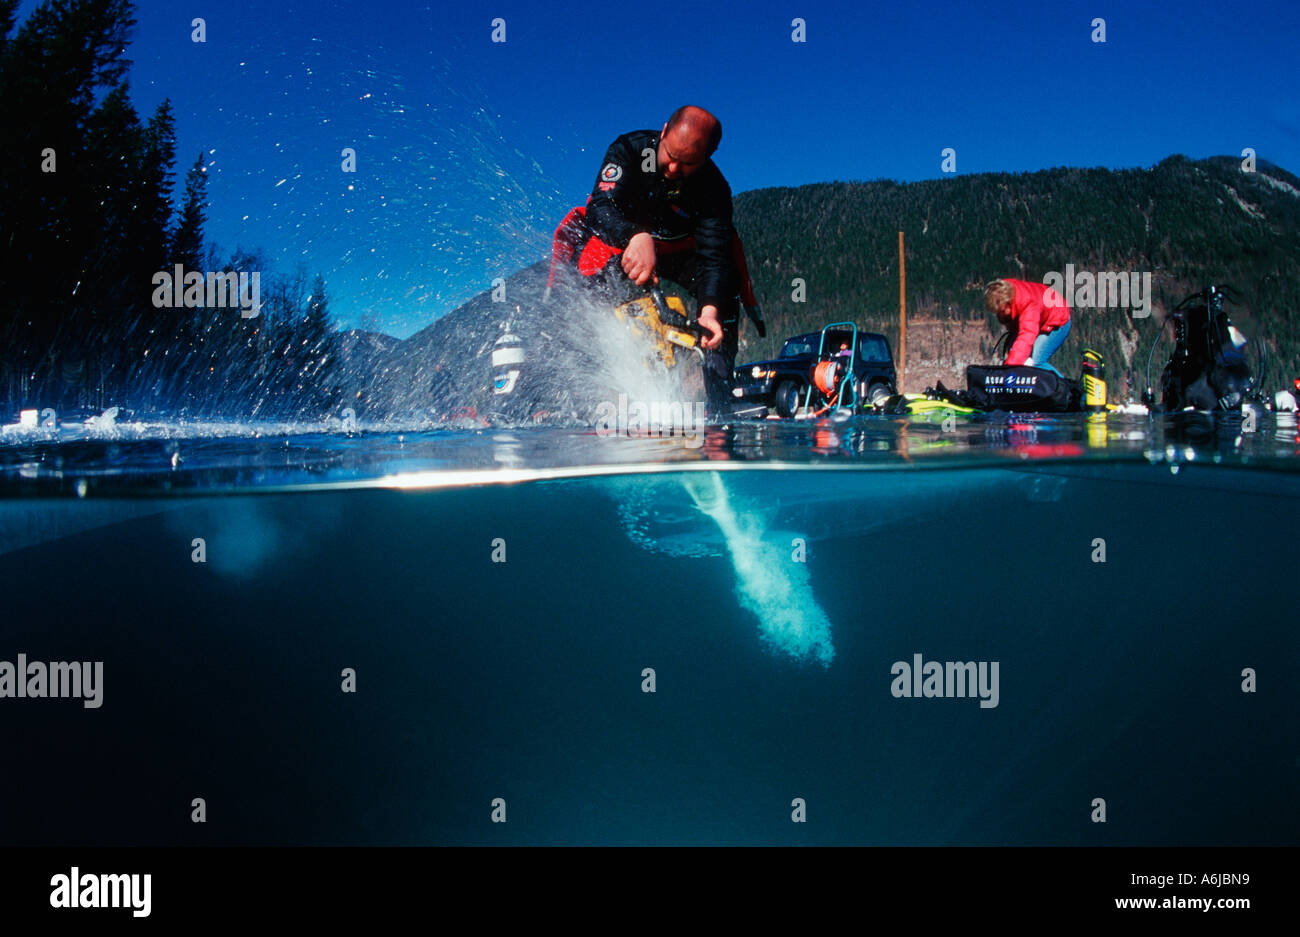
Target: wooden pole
{"type": "Point", "coordinates": [902, 314]}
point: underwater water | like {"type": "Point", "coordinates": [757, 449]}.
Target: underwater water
{"type": "Point", "coordinates": [647, 641]}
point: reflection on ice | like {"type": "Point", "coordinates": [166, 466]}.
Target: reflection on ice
{"type": "Point", "coordinates": [126, 455]}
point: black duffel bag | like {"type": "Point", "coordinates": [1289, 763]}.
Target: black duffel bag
{"type": "Point", "coordinates": [1021, 389]}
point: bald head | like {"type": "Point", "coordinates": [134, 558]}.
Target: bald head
{"type": "Point", "coordinates": [699, 125]}
{"type": "Point", "coordinates": [688, 140]}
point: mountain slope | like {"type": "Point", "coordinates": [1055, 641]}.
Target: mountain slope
{"type": "Point", "coordinates": [1187, 223]}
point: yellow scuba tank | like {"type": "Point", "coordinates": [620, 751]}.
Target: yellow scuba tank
{"type": "Point", "coordinates": [1094, 381]}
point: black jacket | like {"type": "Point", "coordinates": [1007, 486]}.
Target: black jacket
{"type": "Point", "coordinates": [627, 200]}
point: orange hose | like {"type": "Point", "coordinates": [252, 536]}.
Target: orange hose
{"type": "Point", "coordinates": [824, 377]}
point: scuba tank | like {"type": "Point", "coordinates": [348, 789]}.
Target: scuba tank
{"type": "Point", "coordinates": [508, 358]}
{"type": "Point", "coordinates": [1094, 381]}
{"type": "Point", "coordinates": [1208, 368]}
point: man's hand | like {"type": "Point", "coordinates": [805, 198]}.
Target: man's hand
{"type": "Point", "coordinates": [709, 320]}
{"type": "Point", "coordinates": [639, 259]}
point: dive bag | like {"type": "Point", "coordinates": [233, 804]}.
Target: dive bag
{"type": "Point", "coordinates": [1019, 389]}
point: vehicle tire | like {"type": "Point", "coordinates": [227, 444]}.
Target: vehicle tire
{"type": "Point", "coordinates": [877, 394]}
{"type": "Point", "coordinates": [786, 398]}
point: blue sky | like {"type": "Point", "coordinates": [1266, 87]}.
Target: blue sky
{"type": "Point", "coordinates": [469, 151]}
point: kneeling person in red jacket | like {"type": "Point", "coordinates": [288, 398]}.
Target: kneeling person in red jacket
{"type": "Point", "coordinates": [1036, 314]}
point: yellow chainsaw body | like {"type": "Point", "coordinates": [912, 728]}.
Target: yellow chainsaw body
{"type": "Point", "coordinates": [640, 316]}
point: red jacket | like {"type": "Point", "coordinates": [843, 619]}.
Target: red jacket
{"type": "Point", "coordinates": [1035, 310]}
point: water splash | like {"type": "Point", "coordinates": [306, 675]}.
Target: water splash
{"type": "Point", "coordinates": [628, 368]}
{"type": "Point", "coordinates": [575, 357]}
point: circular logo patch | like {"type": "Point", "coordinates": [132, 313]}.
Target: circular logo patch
{"type": "Point", "coordinates": [612, 172]}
